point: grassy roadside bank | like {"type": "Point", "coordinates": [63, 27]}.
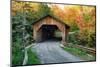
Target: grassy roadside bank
{"type": "Point", "coordinates": [80, 53]}
{"type": "Point", "coordinates": [32, 58]}
{"type": "Point", "coordinates": [17, 54]}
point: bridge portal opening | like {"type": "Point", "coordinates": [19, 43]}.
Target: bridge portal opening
{"type": "Point", "coordinates": [51, 33]}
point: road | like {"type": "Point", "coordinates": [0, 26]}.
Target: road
{"type": "Point", "coordinates": [51, 52]}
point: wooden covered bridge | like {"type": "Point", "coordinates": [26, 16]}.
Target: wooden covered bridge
{"type": "Point", "coordinates": [45, 27]}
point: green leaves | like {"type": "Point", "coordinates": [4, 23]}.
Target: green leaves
{"type": "Point", "coordinates": [87, 17]}
{"type": "Point", "coordinates": [87, 38]}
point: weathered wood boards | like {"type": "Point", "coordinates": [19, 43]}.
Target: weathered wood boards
{"type": "Point", "coordinates": [49, 20]}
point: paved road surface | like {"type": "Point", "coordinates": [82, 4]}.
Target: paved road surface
{"type": "Point", "coordinates": [51, 52]}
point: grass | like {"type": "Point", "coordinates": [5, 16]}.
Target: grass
{"type": "Point", "coordinates": [17, 54]}
{"type": "Point", "coordinates": [80, 53]}
{"type": "Point", "coordinates": [32, 58]}
{"type": "Point", "coordinates": [17, 58]}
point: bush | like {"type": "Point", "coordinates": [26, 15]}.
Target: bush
{"type": "Point", "coordinates": [87, 38]}
{"type": "Point", "coordinates": [72, 37]}
{"type": "Point", "coordinates": [84, 37]}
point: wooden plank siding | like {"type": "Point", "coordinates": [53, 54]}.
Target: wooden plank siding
{"type": "Point", "coordinates": [37, 33]}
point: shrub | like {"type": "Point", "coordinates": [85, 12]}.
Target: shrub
{"type": "Point", "coordinates": [72, 37]}
{"type": "Point", "coordinates": [87, 38]}
{"type": "Point", "coordinates": [84, 37]}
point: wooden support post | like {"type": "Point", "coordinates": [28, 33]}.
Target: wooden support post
{"type": "Point", "coordinates": [37, 35]}
{"type": "Point", "coordinates": [64, 36]}
{"type": "Point", "coordinates": [34, 33]}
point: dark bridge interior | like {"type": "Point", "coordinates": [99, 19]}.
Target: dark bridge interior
{"type": "Point", "coordinates": [48, 32]}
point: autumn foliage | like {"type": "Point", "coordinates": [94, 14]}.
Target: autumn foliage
{"type": "Point", "coordinates": [80, 18]}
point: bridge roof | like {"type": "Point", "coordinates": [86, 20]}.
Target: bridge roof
{"type": "Point", "coordinates": [52, 16]}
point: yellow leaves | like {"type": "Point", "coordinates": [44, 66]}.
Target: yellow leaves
{"type": "Point", "coordinates": [67, 13]}
{"type": "Point", "coordinates": [75, 13]}
{"type": "Point", "coordinates": [34, 6]}
{"type": "Point", "coordinates": [57, 11]}
{"type": "Point", "coordinates": [70, 14]}
{"type": "Point", "coordinates": [19, 6]}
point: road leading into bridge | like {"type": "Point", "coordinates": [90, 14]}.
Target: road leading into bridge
{"type": "Point", "coordinates": [51, 52]}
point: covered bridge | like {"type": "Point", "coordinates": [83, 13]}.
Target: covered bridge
{"type": "Point", "coordinates": [45, 27]}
